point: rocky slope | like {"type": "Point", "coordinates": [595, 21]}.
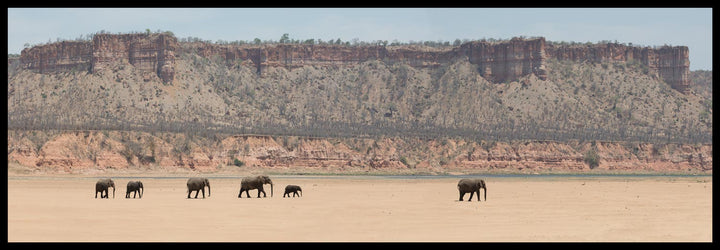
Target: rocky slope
{"type": "Point", "coordinates": [147, 102]}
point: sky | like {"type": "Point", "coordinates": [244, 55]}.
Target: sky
{"type": "Point", "coordinates": [690, 27]}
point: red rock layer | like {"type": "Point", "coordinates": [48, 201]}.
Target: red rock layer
{"type": "Point", "coordinates": [497, 61]}
{"type": "Point", "coordinates": [149, 53]}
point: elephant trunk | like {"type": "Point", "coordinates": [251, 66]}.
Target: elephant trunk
{"type": "Point", "coordinates": [208, 185]}
{"type": "Point", "coordinates": [113, 192]}
{"type": "Point", "coordinates": [271, 189]}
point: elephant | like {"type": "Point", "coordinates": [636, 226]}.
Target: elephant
{"type": "Point", "coordinates": [292, 189]}
{"type": "Point", "coordinates": [198, 184]}
{"type": "Point", "coordinates": [103, 185]}
{"type": "Point", "coordinates": [134, 187]}
{"type": "Point", "coordinates": [471, 186]}
{"type": "Point", "coordinates": [255, 182]}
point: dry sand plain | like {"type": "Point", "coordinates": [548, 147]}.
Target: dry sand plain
{"type": "Point", "coordinates": [366, 209]}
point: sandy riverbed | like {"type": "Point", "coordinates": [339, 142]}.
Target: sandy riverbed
{"type": "Point", "coordinates": [366, 209]}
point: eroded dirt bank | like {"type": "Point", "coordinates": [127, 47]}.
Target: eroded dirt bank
{"type": "Point", "coordinates": [89, 152]}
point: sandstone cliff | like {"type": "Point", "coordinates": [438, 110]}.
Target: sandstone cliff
{"type": "Point", "coordinates": [670, 63]}
{"type": "Point", "coordinates": [498, 62]}
{"type": "Point", "coordinates": [147, 52]}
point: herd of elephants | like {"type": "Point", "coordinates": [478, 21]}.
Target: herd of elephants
{"type": "Point", "coordinates": [198, 185]}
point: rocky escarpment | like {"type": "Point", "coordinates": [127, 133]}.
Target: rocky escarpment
{"type": "Point", "coordinates": [496, 61]}
{"type": "Point", "coordinates": [147, 52]}
{"type": "Point", "coordinates": [89, 151]}
{"type": "Point", "coordinates": [670, 63]}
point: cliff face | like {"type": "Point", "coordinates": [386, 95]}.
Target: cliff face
{"type": "Point", "coordinates": [501, 62]}
{"type": "Point", "coordinates": [508, 61]}
{"type": "Point", "coordinates": [58, 57]}
{"type": "Point", "coordinates": [670, 63]}
{"type": "Point", "coordinates": [148, 53]}
{"type": "Point", "coordinates": [497, 62]}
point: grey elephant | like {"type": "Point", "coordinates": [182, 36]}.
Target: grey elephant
{"type": "Point", "coordinates": [134, 187]}
{"type": "Point", "coordinates": [103, 185]}
{"type": "Point", "coordinates": [198, 184]}
{"type": "Point", "coordinates": [292, 189]}
{"type": "Point", "coordinates": [471, 186]}
{"type": "Point", "coordinates": [255, 182]}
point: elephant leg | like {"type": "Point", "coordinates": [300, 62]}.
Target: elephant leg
{"type": "Point", "coordinates": [295, 193]}
{"type": "Point", "coordinates": [189, 192]}
{"type": "Point", "coordinates": [197, 192]}
{"type": "Point", "coordinates": [203, 191]}
{"type": "Point", "coordinates": [478, 195]}
{"type": "Point", "coordinates": [461, 195]}
{"type": "Point", "coordinates": [471, 195]}
{"type": "Point", "coordinates": [96, 194]}
{"type": "Point", "coordinates": [134, 194]}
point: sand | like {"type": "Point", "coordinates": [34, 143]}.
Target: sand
{"type": "Point", "coordinates": [366, 209]}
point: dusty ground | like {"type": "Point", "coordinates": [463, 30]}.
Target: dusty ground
{"type": "Point", "coordinates": [358, 209]}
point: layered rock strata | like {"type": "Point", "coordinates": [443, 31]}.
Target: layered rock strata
{"type": "Point", "coordinates": [498, 62]}
{"type": "Point", "coordinates": [148, 53]}
{"type": "Point", "coordinates": [670, 63]}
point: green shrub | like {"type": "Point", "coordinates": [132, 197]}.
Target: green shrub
{"type": "Point", "coordinates": [592, 158]}
{"type": "Point", "coordinates": [404, 161]}
{"type": "Point", "coordinates": [238, 163]}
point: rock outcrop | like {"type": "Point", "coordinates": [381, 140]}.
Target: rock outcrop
{"type": "Point", "coordinates": [147, 52]}
{"type": "Point", "coordinates": [670, 63]}
{"type": "Point", "coordinates": [58, 57]}
{"type": "Point", "coordinates": [498, 62]}
{"type": "Point", "coordinates": [508, 61]}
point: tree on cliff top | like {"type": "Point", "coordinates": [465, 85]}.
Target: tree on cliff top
{"type": "Point", "coordinates": [285, 38]}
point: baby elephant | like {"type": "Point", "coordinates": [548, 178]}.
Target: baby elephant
{"type": "Point", "coordinates": [292, 189]}
{"type": "Point", "coordinates": [134, 187]}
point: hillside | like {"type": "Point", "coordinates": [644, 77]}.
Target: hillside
{"type": "Point", "coordinates": [406, 93]}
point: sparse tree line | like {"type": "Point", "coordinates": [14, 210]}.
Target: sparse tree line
{"type": "Point", "coordinates": [286, 39]}
{"type": "Point", "coordinates": [329, 129]}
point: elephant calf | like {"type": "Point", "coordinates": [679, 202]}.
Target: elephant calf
{"type": "Point", "coordinates": [292, 189]}
{"type": "Point", "coordinates": [134, 187]}
{"type": "Point", "coordinates": [198, 184]}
